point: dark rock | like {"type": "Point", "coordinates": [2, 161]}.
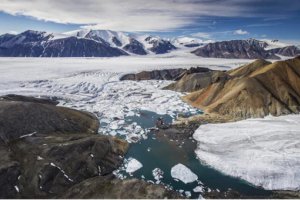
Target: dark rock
{"type": "Point", "coordinates": [244, 49]}
{"type": "Point", "coordinates": [196, 81]}
{"type": "Point", "coordinates": [9, 172]}
{"type": "Point", "coordinates": [166, 74]}
{"type": "Point", "coordinates": [289, 51]}
{"type": "Point", "coordinates": [13, 97]}
{"type": "Point", "coordinates": [79, 47]}
{"type": "Point", "coordinates": [109, 188]}
{"type": "Point", "coordinates": [159, 46]}
{"type": "Point", "coordinates": [197, 78]}
{"type": "Point", "coordinates": [18, 118]}
{"type": "Point", "coordinates": [135, 47]}
{"type": "Point", "coordinates": [65, 158]}
{"type": "Point", "coordinates": [40, 44]}
{"type": "Point", "coordinates": [116, 41]}
{"type": "Point", "coordinates": [193, 45]}
{"type": "Point", "coordinates": [64, 149]}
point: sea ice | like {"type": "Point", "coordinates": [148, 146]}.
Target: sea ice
{"type": "Point", "coordinates": [198, 189]}
{"type": "Point", "coordinates": [133, 165]}
{"type": "Point", "coordinates": [157, 174]}
{"type": "Point", "coordinates": [264, 152]}
{"type": "Point", "coordinates": [183, 173]}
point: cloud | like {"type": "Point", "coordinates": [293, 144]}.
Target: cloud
{"type": "Point", "coordinates": [202, 35]}
{"type": "Point", "coordinates": [138, 15]}
{"type": "Point", "coordinates": [13, 32]}
{"type": "Point", "coordinates": [240, 32]}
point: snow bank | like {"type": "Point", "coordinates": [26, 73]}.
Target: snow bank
{"type": "Point", "coordinates": [181, 172]}
{"type": "Point", "coordinates": [264, 152]}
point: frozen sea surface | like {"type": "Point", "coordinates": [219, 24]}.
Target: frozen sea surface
{"type": "Point", "coordinates": [264, 152]}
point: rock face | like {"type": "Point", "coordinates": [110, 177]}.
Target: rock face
{"type": "Point", "coordinates": [40, 44]}
{"type": "Point", "coordinates": [197, 78]}
{"type": "Point", "coordinates": [135, 47]}
{"type": "Point", "coordinates": [167, 74]}
{"type": "Point", "coordinates": [289, 51]}
{"type": "Point", "coordinates": [159, 46]}
{"type": "Point", "coordinates": [235, 49]}
{"type": "Point", "coordinates": [245, 49]}
{"type": "Point", "coordinates": [254, 90]}
{"type": "Point", "coordinates": [108, 188]}
{"type": "Point", "coordinates": [46, 150]}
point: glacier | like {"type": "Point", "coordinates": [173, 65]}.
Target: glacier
{"type": "Point", "coordinates": [93, 84]}
{"type": "Point", "coordinates": [264, 152]}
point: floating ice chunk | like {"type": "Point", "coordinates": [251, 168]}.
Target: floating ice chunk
{"type": "Point", "coordinates": [198, 189]}
{"type": "Point", "coordinates": [264, 152]}
{"type": "Point", "coordinates": [188, 194]}
{"type": "Point", "coordinates": [133, 165]}
{"type": "Point", "coordinates": [157, 174]}
{"type": "Point", "coordinates": [183, 173]}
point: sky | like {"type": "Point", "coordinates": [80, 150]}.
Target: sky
{"type": "Point", "coordinates": [205, 19]}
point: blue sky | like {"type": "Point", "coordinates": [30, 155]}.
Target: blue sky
{"type": "Point", "coordinates": [206, 19]}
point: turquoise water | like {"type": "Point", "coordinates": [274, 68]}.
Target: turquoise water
{"type": "Point", "coordinates": [165, 154]}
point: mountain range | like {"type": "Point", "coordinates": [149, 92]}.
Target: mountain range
{"type": "Point", "coordinates": [106, 43]}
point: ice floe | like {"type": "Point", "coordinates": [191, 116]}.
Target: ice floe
{"type": "Point", "coordinates": [264, 152]}
{"type": "Point", "coordinates": [133, 165]}
{"type": "Point", "coordinates": [198, 189]}
{"type": "Point", "coordinates": [157, 174]}
{"type": "Point", "coordinates": [183, 173]}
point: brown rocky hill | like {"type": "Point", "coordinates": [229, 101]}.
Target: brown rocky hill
{"type": "Point", "coordinates": [48, 151]}
{"type": "Point", "coordinates": [254, 90]}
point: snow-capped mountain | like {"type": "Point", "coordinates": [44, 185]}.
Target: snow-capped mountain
{"type": "Point", "coordinates": [187, 42]}
{"type": "Point", "coordinates": [106, 43]}
{"type": "Point", "coordinates": [247, 49]}
{"type": "Point", "coordinates": [42, 44]}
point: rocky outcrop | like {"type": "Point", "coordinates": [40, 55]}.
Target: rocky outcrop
{"type": "Point", "coordinates": [196, 79]}
{"type": "Point", "coordinates": [166, 74]}
{"type": "Point", "coordinates": [241, 49]}
{"type": "Point", "coordinates": [109, 188]}
{"type": "Point", "coordinates": [253, 91]}
{"type": "Point", "coordinates": [47, 151]}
